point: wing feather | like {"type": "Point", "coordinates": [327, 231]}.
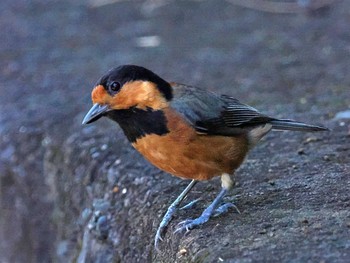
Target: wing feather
{"type": "Point", "coordinates": [211, 114]}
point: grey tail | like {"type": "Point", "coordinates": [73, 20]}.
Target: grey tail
{"type": "Point", "coordinates": [295, 126]}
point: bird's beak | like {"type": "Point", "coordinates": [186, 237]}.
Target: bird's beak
{"type": "Point", "coordinates": [96, 112]}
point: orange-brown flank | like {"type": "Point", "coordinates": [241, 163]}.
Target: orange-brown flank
{"type": "Point", "coordinates": [185, 153]}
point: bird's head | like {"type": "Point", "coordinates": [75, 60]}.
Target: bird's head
{"type": "Point", "coordinates": [128, 87]}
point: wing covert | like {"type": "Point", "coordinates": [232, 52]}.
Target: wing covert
{"type": "Point", "coordinates": [211, 114]}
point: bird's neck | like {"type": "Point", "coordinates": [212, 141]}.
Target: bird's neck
{"type": "Point", "coordinates": [138, 123]}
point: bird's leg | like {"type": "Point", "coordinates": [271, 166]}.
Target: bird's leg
{"type": "Point", "coordinates": [212, 209]}
{"type": "Point", "coordinates": [171, 211]}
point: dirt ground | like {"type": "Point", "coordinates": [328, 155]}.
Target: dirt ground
{"type": "Point", "coordinates": [70, 193]}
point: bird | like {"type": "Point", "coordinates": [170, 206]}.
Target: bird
{"type": "Point", "coordinates": [186, 131]}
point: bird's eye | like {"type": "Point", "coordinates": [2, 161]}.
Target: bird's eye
{"type": "Point", "coordinates": [114, 86]}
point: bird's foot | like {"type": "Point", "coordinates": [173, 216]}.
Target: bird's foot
{"type": "Point", "coordinates": [167, 218]}
{"type": "Point", "coordinates": [171, 211]}
{"type": "Point", "coordinates": [224, 209]}
{"type": "Point", "coordinates": [164, 223]}
{"type": "Point", "coordinates": [205, 216]}
{"type": "Point", "coordinates": [188, 224]}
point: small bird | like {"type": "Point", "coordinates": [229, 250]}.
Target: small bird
{"type": "Point", "coordinates": [183, 130]}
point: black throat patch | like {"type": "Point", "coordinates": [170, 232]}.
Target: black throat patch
{"type": "Point", "coordinates": [137, 123]}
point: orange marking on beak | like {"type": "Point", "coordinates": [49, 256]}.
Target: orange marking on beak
{"type": "Point", "coordinates": [99, 95]}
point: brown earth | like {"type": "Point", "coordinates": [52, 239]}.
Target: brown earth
{"type": "Point", "coordinates": [70, 193]}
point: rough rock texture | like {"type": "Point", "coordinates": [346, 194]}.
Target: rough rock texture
{"type": "Point", "coordinates": [81, 194]}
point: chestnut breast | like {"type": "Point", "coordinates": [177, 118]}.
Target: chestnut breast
{"type": "Point", "coordinates": [187, 154]}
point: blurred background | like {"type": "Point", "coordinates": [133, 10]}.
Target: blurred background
{"type": "Point", "coordinates": [80, 194]}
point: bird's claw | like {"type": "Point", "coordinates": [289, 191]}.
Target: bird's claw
{"type": "Point", "coordinates": [182, 226]}
{"type": "Point", "coordinates": [184, 222]}
{"type": "Point", "coordinates": [224, 209]}
{"type": "Point", "coordinates": [190, 224]}
{"type": "Point", "coordinates": [158, 238]}
{"type": "Point", "coordinates": [163, 224]}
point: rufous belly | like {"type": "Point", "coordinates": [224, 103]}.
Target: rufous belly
{"type": "Point", "coordinates": [186, 154]}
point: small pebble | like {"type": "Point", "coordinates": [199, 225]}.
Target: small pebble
{"type": "Point", "coordinates": [115, 189]}
{"type": "Point", "coordinates": [305, 221]}
{"type": "Point", "coordinates": [182, 251]}
{"type": "Point", "coordinates": [272, 182]}
{"type": "Point", "coordinates": [342, 115]}
{"type": "Point", "coordinates": [326, 158]}
{"type": "Point", "coordinates": [311, 139]}
{"type": "Point", "coordinates": [301, 151]}
{"type": "Point", "coordinates": [104, 147]}
{"type": "Point", "coordinates": [262, 231]}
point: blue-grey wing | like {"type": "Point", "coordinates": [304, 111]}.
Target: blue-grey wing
{"type": "Point", "coordinates": [213, 114]}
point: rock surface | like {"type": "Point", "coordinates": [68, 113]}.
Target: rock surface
{"type": "Point", "coordinates": [81, 194]}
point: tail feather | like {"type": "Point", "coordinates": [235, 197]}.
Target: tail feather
{"type": "Point", "coordinates": [291, 125]}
